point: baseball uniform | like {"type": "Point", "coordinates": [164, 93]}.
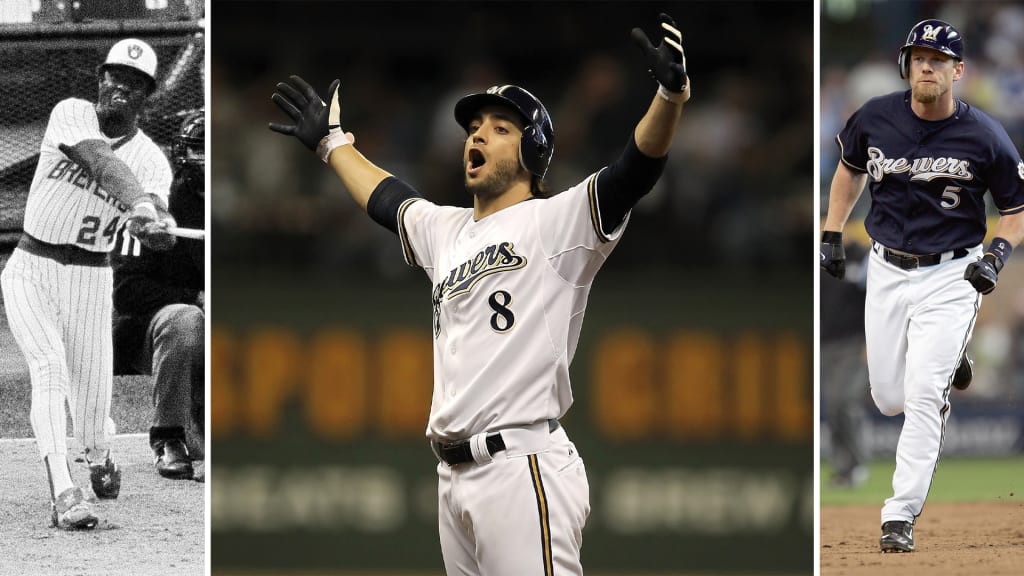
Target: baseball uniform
{"type": "Point", "coordinates": [927, 181]}
{"type": "Point", "coordinates": [57, 284]}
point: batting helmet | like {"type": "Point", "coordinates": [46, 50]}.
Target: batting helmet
{"type": "Point", "coordinates": [189, 146]}
{"type": "Point", "coordinates": [538, 142]}
{"type": "Point", "coordinates": [134, 54]}
{"type": "Point", "coordinates": [934, 34]}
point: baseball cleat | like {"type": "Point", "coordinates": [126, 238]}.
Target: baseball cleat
{"type": "Point", "coordinates": [964, 373]}
{"type": "Point", "coordinates": [106, 479]}
{"type": "Point", "coordinates": [173, 461]}
{"type": "Point", "coordinates": [71, 511]}
{"type": "Point", "coordinates": [897, 536]}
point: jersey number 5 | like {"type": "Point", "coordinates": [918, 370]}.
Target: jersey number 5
{"type": "Point", "coordinates": [503, 319]}
{"type": "Point", "coordinates": [950, 197]}
{"type": "Point", "coordinates": [91, 225]}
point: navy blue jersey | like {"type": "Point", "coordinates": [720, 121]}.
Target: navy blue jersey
{"type": "Point", "coordinates": [928, 178]}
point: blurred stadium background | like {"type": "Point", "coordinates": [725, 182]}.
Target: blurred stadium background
{"type": "Point", "coordinates": [693, 378]}
{"type": "Point", "coordinates": [859, 45]}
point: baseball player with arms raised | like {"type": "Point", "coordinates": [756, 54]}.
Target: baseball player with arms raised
{"type": "Point", "coordinates": [510, 277]}
{"type": "Point", "coordinates": [930, 158]}
{"type": "Point", "coordinates": [96, 169]}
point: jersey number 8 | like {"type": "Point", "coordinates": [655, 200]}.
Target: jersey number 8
{"type": "Point", "coordinates": [503, 319]}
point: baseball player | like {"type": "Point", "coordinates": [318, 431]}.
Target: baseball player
{"type": "Point", "coordinates": [159, 304]}
{"type": "Point", "coordinates": [510, 281]}
{"type": "Point", "coordinates": [928, 159]}
{"type": "Point", "coordinates": [96, 170]}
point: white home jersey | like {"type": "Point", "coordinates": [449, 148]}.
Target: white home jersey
{"type": "Point", "coordinates": [65, 204]}
{"type": "Point", "coordinates": [509, 293]}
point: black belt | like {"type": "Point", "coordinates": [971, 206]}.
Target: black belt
{"type": "Point", "coordinates": [914, 261]}
{"type": "Point", "coordinates": [460, 452]}
{"type": "Point", "coordinates": [63, 253]}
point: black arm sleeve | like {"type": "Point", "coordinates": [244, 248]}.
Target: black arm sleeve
{"type": "Point", "coordinates": [625, 182]}
{"type": "Point", "coordinates": [386, 199]}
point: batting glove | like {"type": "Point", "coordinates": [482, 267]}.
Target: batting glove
{"type": "Point", "coordinates": [833, 255]}
{"type": "Point", "coordinates": [303, 105]}
{"type": "Point", "coordinates": [983, 274]}
{"type": "Point", "coordinates": [667, 61]}
{"type": "Point", "coordinates": [150, 226]}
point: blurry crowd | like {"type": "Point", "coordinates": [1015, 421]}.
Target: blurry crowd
{"type": "Point", "coordinates": [737, 191]}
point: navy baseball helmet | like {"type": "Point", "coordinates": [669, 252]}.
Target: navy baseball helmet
{"type": "Point", "coordinates": [934, 34]}
{"type": "Point", "coordinates": [538, 141]}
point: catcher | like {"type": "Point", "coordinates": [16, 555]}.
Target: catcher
{"type": "Point", "coordinates": [159, 305]}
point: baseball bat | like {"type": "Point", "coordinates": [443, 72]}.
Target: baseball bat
{"type": "Point", "coordinates": [193, 233]}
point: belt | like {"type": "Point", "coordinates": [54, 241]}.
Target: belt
{"type": "Point", "coordinates": [460, 451]}
{"type": "Point", "coordinates": [67, 254]}
{"type": "Point", "coordinates": [914, 261]}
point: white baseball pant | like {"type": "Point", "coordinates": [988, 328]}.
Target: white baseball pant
{"type": "Point", "coordinates": [917, 323]}
{"type": "Point", "coordinates": [520, 514]}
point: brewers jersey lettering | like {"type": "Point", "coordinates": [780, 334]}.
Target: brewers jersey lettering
{"type": "Point", "coordinates": [509, 293]}
{"type": "Point", "coordinates": [66, 204]}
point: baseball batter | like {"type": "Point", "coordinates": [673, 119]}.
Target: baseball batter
{"type": "Point", "coordinates": [928, 159]}
{"type": "Point", "coordinates": [96, 171]}
{"type": "Point", "coordinates": [510, 278]}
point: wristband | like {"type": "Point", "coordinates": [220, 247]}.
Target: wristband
{"type": "Point", "coordinates": [1001, 249]}
{"type": "Point", "coordinates": [334, 139]}
{"type": "Point", "coordinates": [147, 205]}
{"type": "Point", "coordinates": [831, 237]}
{"type": "Point", "coordinates": [673, 97]}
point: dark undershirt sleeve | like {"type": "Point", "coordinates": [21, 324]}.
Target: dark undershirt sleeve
{"type": "Point", "coordinates": [625, 182]}
{"type": "Point", "coordinates": [386, 199]}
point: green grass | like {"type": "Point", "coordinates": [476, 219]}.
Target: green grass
{"type": "Point", "coordinates": [956, 480]}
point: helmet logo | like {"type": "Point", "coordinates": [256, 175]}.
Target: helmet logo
{"type": "Point", "coordinates": [931, 33]}
{"type": "Point", "coordinates": [134, 51]}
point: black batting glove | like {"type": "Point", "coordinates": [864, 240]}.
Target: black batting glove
{"type": "Point", "coordinates": [833, 255]}
{"type": "Point", "coordinates": [983, 274]}
{"type": "Point", "coordinates": [304, 106]}
{"type": "Point", "coordinates": [667, 62]}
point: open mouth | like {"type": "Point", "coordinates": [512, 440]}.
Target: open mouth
{"type": "Point", "coordinates": [475, 162]}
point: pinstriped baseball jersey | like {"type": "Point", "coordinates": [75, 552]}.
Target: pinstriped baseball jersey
{"type": "Point", "coordinates": [66, 204]}
{"type": "Point", "coordinates": [509, 294]}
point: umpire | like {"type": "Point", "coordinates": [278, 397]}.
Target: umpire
{"type": "Point", "coordinates": [159, 311]}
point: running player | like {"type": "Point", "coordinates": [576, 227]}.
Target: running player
{"type": "Point", "coordinates": [510, 280]}
{"type": "Point", "coordinates": [930, 158]}
{"type": "Point", "coordinates": [95, 168]}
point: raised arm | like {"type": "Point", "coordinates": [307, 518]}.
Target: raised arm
{"type": "Point", "coordinates": [634, 173]}
{"type": "Point", "coordinates": [318, 128]}
{"type": "Point", "coordinates": [655, 131]}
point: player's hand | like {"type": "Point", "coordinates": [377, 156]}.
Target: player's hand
{"type": "Point", "coordinates": [305, 107]}
{"type": "Point", "coordinates": [983, 274]}
{"type": "Point", "coordinates": [667, 62]}
{"type": "Point", "coordinates": [833, 255]}
{"type": "Point", "coordinates": [149, 222]}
